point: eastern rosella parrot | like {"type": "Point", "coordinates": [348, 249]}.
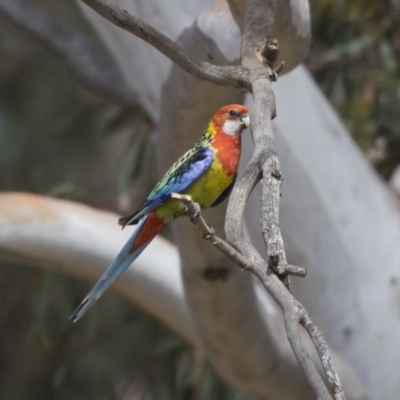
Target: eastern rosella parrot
{"type": "Point", "coordinates": [207, 172]}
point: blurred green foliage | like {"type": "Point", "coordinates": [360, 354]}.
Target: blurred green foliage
{"type": "Point", "coordinates": [116, 351]}
{"type": "Point", "coordinates": [355, 58]}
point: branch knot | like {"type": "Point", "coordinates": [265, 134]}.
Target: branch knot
{"type": "Point", "coordinates": [276, 173]}
{"type": "Point", "coordinates": [270, 51]}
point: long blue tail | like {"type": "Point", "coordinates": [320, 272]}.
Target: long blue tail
{"type": "Point", "coordinates": [123, 260]}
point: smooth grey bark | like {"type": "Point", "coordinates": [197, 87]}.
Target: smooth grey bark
{"type": "Point", "coordinates": [341, 222]}
{"type": "Point", "coordinates": [80, 241]}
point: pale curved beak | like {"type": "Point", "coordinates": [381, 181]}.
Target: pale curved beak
{"type": "Point", "coordinates": [245, 119]}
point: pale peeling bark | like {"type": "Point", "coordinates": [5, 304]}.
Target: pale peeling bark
{"type": "Point", "coordinates": [80, 241]}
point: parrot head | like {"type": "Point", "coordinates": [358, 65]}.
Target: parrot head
{"type": "Point", "coordinates": [232, 119]}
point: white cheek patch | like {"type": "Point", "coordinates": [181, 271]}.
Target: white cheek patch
{"type": "Point", "coordinates": [232, 127]}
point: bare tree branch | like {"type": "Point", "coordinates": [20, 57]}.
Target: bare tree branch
{"type": "Point", "coordinates": [90, 68]}
{"type": "Point", "coordinates": [234, 76]}
{"type": "Point", "coordinates": [80, 241]}
{"type": "Point", "coordinates": [324, 356]}
{"type": "Point", "coordinates": [294, 312]}
{"type": "Point", "coordinates": [265, 162]}
{"type": "Point", "coordinates": [253, 74]}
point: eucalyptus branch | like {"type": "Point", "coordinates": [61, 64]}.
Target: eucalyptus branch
{"type": "Point", "coordinates": [90, 68]}
{"type": "Point", "coordinates": [294, 311]}
{"type": "Point", "coordinates": [325, 357]}
{"type": "Point", "coordinates": [258, 54]}
{"type": "Point", "coordinates": [234, 76]}
{"type": "Point", "coordinates": [228, 76]}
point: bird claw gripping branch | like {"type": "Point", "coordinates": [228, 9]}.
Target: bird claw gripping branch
{"type": "Point", "coordinates": [210, 234]}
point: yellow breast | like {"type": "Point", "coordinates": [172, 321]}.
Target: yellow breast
{"type": "Point", "coordinates": [204, 192]}
{"type": "Point", "coordinates": [209, 186]}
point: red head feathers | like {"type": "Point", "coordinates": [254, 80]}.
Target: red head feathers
{"type": "Point", "coordinates": [231, 119]}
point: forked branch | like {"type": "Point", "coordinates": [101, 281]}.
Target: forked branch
{"type": "Point", "coordinates": [294, 312]}
{"type": "Point", "coordinates": [258, 53]}
{"type": "Point", "coordinates": [234, 76]}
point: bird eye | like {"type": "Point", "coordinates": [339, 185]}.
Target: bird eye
{"type": "Point", "coordinates": [232, 113]}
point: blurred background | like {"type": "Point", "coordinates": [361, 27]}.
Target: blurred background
{"type": "Point", "coordinates": [60, 139]}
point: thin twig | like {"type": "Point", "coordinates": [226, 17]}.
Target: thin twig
{"type": "Point", "coordinates": [209, 233]}
{"type": "Point", "coordinates": [324, 355]}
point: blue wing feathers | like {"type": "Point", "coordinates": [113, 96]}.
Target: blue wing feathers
{"type": "Point", "coordinates": [180, 176]}
{"type": "Point", "coordinates": [120, 264]}
{"type": "Point", "coordinates": [184, 174]}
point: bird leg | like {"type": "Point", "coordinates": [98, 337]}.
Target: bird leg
{"type": "Point", "coordinates": [192, 209]}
